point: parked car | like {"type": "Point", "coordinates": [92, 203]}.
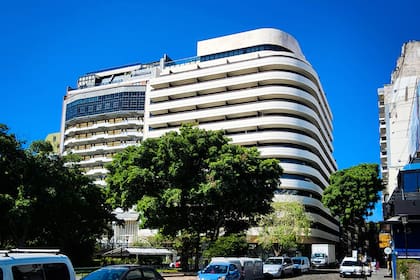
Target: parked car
{"type": "Point", "coordinates": [35, 264]}
{"type": "Point", "coordinates": [301, 264]}
{"type": "Point", "coordinates": [249, 268]}
{"type": "Point", "coordinates": [124, 272]}
{"type": "Point", "coordinates": [278, 266]}
{"type": "Point", "coordinates": [367, 267]}
{"type": "Point", "coordinates": [219, 270]}
{"type": "Point", "coordinates": [351, 267]}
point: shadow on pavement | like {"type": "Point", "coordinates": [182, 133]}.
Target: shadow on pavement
{"type": "Point", "coordinates": [323, 271]}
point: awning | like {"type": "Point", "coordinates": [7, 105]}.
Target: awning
{"type": "Point", "coordinates": [394, 220]}
{"type": "Point", "coordinates": [124, 252]}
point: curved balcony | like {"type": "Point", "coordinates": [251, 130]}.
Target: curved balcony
{"type": "Point", "coordinates": [298, 154]}
{"type": "Point", "coordinates": [96, 171]}
{"type": "Point", "coordinates": [236, 97]}
{"type": "Point", "coordinates": [305, 201]}
{"type": "Point", "coordinates": [306, 171]}
{"type": "Point", "coordinates": [103, 137]}
{"type": "Point", "coordinates": [102, 149]}
{"type": "Point", "coordinates": [260, 123]}
{"type": "Point", "coordinates": [218, 116]}
{"type": "Point", "coordinates": [310, 78]}
{"type": "Point", "coordinates": [97, 161]}
{"type": "Point", "coordinates": [274, 149]}
{"type": "Point", "coordinates": [104, 126]}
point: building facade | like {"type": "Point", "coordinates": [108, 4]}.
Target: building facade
{"type": "Point", "coordinates": [104, 115]}
{"type": "Point", "coordinates": [399, 109]}
{"type": "Point", "coordinates": [399, 119]}
{"type": "Point", "coordinates": [256, 86]}
{"type": "Point", "coordinates": [54, 140]}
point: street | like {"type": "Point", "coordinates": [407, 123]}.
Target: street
{"type": "Point", "coordinates": [317, 274]}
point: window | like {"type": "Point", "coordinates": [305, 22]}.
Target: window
{"type": "Point", "coordinates": [1, 274]}
{"type": "Point", "coordinates": [51, 271]}
{"type": "Point", "coordinates": [56, 271]}
{"type": "Point", "coordinates": [126, 101]}
{"type": "Point", "coordinates": [134, 275]}
{"type": "Point", "coordinates": [410, 180]}
{"type": "Point", "coordinates": [150, 274]}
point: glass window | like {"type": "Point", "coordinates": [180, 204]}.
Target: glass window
{"type": "Point", "coordinates": [150, 274]}
{"type": "Point", "coordinates": [133, 275]}
{"type": "Point", "coordinates": [218, 269]}
{"type": "Point", "coordinates": [127, 101]}
{"type": "Point", "coordinates": [52, 271]}
{"type": "Point", "coordinates": [30, 272]}
{"type": "Point", "coordinates": [56, 271]}
{"type": "Point", "coordinates": [1, 274]}
{"type": "Point", "coordinates": [411, 181]}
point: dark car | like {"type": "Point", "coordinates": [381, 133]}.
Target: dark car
{"type": "Point", "coordinates": [124, 272]}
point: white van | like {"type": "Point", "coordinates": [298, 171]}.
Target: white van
{"type": "Point", "coordinates": [35, 264]}
{"type": "Point", "coordinates": [250, 268]}
{"type": "Point", "coordinates": [301, 264]}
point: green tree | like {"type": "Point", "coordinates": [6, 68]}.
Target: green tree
{"type": "Point", "coordinates": [12, 168]}
{"type": "Point", "coordinates": [233, 245]}
{"type": "Point", "coordinates": [352, 193]}
{"type": "Point", "coordinates": [282, 229]}
{"type": "Point", "coordinates": [48, 204]}
{"type": "Point", "coordinates": [351, 196]}
{"type": "Point", "coordinates": [193, 182]}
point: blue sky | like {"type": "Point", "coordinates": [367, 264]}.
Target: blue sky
{"type": "Point", "coordinates": [353, 45]}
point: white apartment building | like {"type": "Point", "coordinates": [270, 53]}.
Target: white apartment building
{"type": "Point", "coordinates": [399, 116]}
{"type": "Point", "coordinates": [104, 115]}
{"type": "Point", "coordinates": [258, 87]}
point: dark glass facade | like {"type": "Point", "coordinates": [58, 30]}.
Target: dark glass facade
{"type": "Point", "coordinates": [243, 51]}
{"type": "Point", "coordinates": [123, 101]}
{"type": "Point", "coordinates": [227, 54]}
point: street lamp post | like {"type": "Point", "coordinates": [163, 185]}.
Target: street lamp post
{"type": "Point", "coordinates": [404, 221]}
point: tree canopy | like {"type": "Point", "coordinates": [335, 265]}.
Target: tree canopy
{"type": "Point", "coordinates": [353, 192]}
{"type": "Point", "coordinates": [282, 229]}
{"type": "Point", "coordinates": [193, 181]}
{"type": "Point", "coordinates": [43, 203]}
{"type": "Point", "coordinates": [233, 245]}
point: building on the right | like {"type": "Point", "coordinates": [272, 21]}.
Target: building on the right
{"type": "Point", "coordinates": [399, 117]}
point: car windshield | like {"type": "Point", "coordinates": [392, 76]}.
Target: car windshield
{"type": "Point", "coordinates": [318, 255]}
{"type": "Point", "coordinates": [297, 261]}
{"type": "Point", "coordinates": [273, 261]}
{"type": "Point", "coordinates": [106, 274]}
{"type": "Point", "coordinates": [216, 268]}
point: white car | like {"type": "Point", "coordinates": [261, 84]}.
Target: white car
{"type": "Point", "coordinates": [278, 266]}
{"type": "Point", "coordinates": [367, 268]}
{"type": "Point", "coordinates": [351, 267]}
{"type": "Point", "coordinates": [35, 264]}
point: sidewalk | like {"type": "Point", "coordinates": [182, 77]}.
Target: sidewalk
{"type": "Point", "coordinates": [380, 274]}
